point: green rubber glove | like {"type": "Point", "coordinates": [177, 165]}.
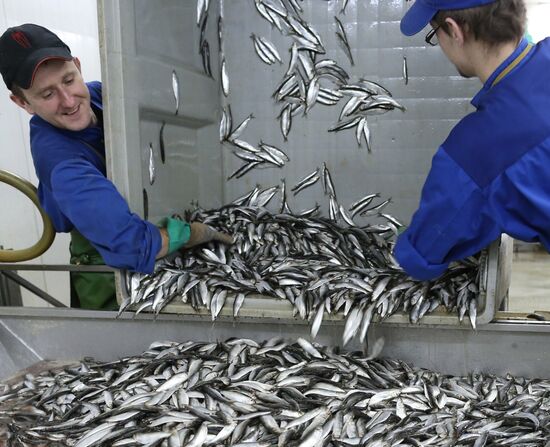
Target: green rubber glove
{"type": "Point", "coordinates": [178, 231]}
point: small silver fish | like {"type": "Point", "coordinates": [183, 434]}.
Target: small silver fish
{"type": "Point", "coordinates": [225, 79]}
{"type": "Point", "coordinates": [151, 164]}
{"type": "Point", "coordinates": [176, 90]}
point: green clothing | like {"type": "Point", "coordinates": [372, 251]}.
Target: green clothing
{"type": "Point", "coordinates": [90, 290]}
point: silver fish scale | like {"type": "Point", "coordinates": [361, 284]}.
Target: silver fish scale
{"type": "Point", "coordinates": [240, 392]}
{"type": "Point", "coordinates": [285, 256]}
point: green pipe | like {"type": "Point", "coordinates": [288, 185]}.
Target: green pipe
{"type": "Point", "coordinates": [48, 233]}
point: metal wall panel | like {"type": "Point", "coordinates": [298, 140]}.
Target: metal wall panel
{"type": "Point", "coordinates": [143, 43]}
{"type": "Point", "coordinates": [403, 143]}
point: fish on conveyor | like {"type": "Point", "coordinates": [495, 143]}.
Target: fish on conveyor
{"type": "Point", "coordinates": [243, 392]}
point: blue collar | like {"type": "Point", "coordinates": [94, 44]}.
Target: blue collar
{"type": "Point", "coordinates": [510, 63]}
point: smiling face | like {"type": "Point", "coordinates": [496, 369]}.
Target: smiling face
{"type": "Point", "coordinates": [59, 96]}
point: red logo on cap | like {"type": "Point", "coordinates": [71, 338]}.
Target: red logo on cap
{"type": "Point", "coordinates": [21, 39]}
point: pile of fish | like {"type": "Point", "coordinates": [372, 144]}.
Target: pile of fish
{"type": "Point", "coordinates": [318, 265]}
{"type": "Point", "coordinates": [248, 394]}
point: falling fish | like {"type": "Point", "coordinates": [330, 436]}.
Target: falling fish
{"type": "Point", "coordinates": [224, 79]}
{"type": "Point", "coordinates": [236, 133]}
{"type": "Point", "coordinates": [151, 165]}
{"type": "Point", "coordinates": [265, 50]}
{"type": "Point", "coordinates": [205, 54]}
{"type": "Point", "coordinates": [176, 90]}
{"type": "Point", "coordinates": [343, 39]}
{"type": "Point", "coordinates": [161, 143]}
{"type": "Point", "coordinates": [405, 71]}
{"type": "Point", "coordinates": [220, 34]}
{"type": "Point", "coordinates": [226, 123]}
{"type": "Point", "coordinates": [307, 181]}
{"type": "Point", "coordinates": [202, 10]}
{"type": "Point", "coordinates": [328, 185]}
{"type": "Point", "coordinates": [145, 204]}
{"type": "Point", "coordinates": [344, 6]}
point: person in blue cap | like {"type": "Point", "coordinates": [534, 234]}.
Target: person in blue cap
{"type": "Point", "coordinates": [492, 173]}
{"type": "Point", "coordinates": [68, 151]}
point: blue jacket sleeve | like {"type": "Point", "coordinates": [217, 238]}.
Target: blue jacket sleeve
{"type": "Point", "coordinates": [453, 221]}
{"type": "Point", "coordinates": [95, 207]}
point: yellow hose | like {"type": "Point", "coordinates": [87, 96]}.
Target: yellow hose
{"type": "Point", "coordinates": [48, 234]}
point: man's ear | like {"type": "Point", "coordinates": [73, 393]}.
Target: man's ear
{"type": "Point", "coordinates": [22, 103]}
{"type": "Point", "coordinates": [455, 31]}
{"type": "Point", "coordinates": [76, 61]}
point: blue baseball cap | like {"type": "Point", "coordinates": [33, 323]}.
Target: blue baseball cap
{"type": "Point", "coordinates": [422, 11]}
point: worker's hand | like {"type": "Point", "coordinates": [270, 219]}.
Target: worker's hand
{"type": "Point", "coordinates": [202, 234]}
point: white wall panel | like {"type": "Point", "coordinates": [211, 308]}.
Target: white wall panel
{"type": "Point", "coordinates": [538, 17]}
{"type": "Point", "coordinates": [75, 22]}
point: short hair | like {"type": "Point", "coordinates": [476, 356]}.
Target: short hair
{"type": "Point", "coordinates": [18, 91]}
{"type": "Point", "coordinates": [496, 23]}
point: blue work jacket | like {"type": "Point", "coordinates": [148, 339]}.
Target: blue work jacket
{"type": "Point", "coordinates": [491, 175]}
{"type": "Point", "coordinates": [75, 192]}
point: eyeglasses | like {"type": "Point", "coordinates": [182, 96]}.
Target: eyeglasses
{"type": "Point", "coordinates": [431, 37]}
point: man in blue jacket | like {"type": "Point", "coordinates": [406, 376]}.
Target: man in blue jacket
{"type": "Point", "coordinates": [68, 151]}
{"type": "Point", "coordinates": [492, 174]}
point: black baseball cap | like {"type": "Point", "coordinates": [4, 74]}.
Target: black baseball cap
{"type": "Point", "coordinates": [23, 48]}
